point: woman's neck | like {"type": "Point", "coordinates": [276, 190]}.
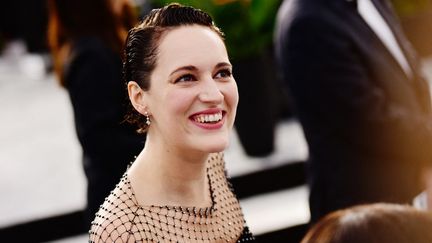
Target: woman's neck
{"type": "Point", "coordinates": [161, 176]}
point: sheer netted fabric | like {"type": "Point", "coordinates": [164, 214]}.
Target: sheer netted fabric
{"type": "Point", "coordinates": [122, 219]}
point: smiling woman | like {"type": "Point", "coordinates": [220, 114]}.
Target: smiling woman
{"type": "Point", "coordinates": [184, 96]}
{"type": "Point", "coordinates": [186, 84]}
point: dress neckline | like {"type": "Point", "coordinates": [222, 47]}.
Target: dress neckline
{"type": "Point", "coordinates": [189, 209]}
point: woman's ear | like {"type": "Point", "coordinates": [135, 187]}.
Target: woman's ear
{"type": "Point", "coordinates": [136, 96]}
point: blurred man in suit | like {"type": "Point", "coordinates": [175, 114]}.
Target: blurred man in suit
{"type": "Point", "coordinates": [358, 93]}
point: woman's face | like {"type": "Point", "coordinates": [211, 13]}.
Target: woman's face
{"type": "Point", "coordinates": [193, 96]}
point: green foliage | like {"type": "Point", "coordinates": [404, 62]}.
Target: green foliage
{"type": "Point", "coordinates": [247, 24]}
{"type": "Point", "coordinates": [411, 7]}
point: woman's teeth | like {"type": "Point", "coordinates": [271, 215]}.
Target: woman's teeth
{"type": "Point", "coordinates": [208, 118]}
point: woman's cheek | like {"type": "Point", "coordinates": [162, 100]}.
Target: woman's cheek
{"type": "Point", "coordinates": [231, 95]}
{"type": "Point", "coordinates": [181, 100]}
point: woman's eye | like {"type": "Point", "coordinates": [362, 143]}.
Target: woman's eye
{"type": "Point", "coordinates": [225, 73]}
{"type": "Point", "coordinates": [185, 78]}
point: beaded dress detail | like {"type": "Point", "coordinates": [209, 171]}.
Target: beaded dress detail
{"type": "Point", "coordinates": [122, 219]}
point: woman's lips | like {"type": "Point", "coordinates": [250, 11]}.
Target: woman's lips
{"type": "Point", "coordinates": [209, 119]}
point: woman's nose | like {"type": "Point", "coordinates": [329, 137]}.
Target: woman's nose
{"type": "Point", "coordinates": [210, 92]}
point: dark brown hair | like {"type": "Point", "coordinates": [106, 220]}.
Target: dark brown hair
{"type": "Point", "coordinates": [71, 19]}
{"type": "Point", "coordinates": [142, 46]}
{"type": "Point", "coordinates": [374, 223]}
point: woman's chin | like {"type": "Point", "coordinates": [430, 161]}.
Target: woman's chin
{"type": "Point", "coordinates": [209, 143]}
{"type": "Point", "coordinates": [216, 147]}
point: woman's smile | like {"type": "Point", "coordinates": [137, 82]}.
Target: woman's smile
{"type": "Point", "coordinates": [209, 119]}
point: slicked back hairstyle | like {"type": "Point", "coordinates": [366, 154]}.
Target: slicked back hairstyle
{"type": "Point", "coordinates": [140, 57]}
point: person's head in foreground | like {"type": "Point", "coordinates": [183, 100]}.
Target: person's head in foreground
{"type": "Point", "coordinates": [374, 223]}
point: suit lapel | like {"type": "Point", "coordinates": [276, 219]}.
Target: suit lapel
{"type": "Point", "coordinates": [419, 83]}
{"type": "Point", "coordinates": [363, 33]}
{"type": "Point", "coordinates": [389, 16]}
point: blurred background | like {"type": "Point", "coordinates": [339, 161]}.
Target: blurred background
{"type": "Point", "coordinates": [42, 184]}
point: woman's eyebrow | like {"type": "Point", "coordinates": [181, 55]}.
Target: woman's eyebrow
{"type": "Point", "coordinates": [193, 68]}
{"type": "Point", "coordinates": [223, 64]}
{"type": "Point", "coordinates": [188, 68]}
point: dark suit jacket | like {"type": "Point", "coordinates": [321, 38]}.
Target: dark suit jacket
{"type": "Point", "coordinates": [366, 122]}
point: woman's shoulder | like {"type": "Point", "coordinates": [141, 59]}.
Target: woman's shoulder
{"type": "Point", "coordinates": [89, 43]}
{"type": "Point", "coordinates": [115, 217]}
{"type": "Point", "coordinates": [89, 60]}
{"type": "Point", "coordinates": [92, 49]}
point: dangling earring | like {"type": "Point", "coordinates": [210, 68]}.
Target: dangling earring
{"type": "Point", "coordinates": [148, 122]}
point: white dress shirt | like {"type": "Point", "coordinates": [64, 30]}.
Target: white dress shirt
{"type": "Point", "coordinates": [377, 23]}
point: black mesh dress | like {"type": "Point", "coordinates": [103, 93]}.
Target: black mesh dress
{"type": "Point", "coordinates": [122, 219]}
